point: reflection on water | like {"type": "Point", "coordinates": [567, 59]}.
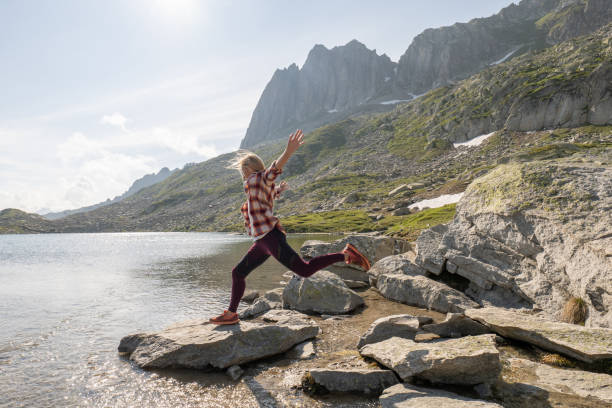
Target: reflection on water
{"type": "Point", "coordinates": [67, 299]}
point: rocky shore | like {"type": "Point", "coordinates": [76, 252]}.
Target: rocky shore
{"type": "Point", "coordinates": [476, 313]}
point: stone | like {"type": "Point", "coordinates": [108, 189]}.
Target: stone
{"type": "Point", "coordinates": [250, 296]}
{"type": "Point", "coordinates": [576, 387]}
{"type": "Point", "coordinates": [402, 211]}
{"type": "Point", "coordinates": [302, 351]}
{"type": "Point", "coordinates": [234, 372]}
{"type": "Point", "coordinates": [364, 381]}
{"type": "Point", "coordinates": [199, 344]}
{"type": "Point", "coordinates": [410, 396]}
{"type": "Point", "coordinates": [401, 263]}
{"type": "Point", "coordinates": [457, 325]}
{"type": "Point", "coordinates": [323, 292]}
{"type": "Point", "coordinates": [405, 326]}
{"type": "Point", "coordinates": [272, 299]}
{"type": "Point", "coordinates": [399, 189]}
{"type": "Point", "coordinates": [423, 292]}
{"type": "Point", "coordinates": [465, 361]}
{"type": "Point", "coordinates": [355, 284]}
{"type": "Point", "coordinates": [582, 343]}
{"type": "Point", "coordinates": [428, 254]}
{"type": "Point", "coordinates": [536, 234]}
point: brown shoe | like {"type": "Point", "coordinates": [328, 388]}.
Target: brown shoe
{"type": "Point", "coordinates": [356, 257]}
{"type": "Point", "coordinates": [226, 317]}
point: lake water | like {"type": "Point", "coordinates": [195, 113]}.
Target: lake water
{"type": "Point", "coordinates": [67, 299]}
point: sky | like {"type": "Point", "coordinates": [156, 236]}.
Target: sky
{"type": "Point", "coordinates": [96, 94]}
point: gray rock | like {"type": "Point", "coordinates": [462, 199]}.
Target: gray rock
{"type": "Point", "coordinates": [582, 343]}
{"type": "Point", "coordinates": [466, 361]}
{"type": "Point", "coordinates": [234, 372]}
{"type": "Point", "coordinates": [284, 316]}
{"type": "Point", "coordinates": [322, 292]}
{"type": "Point", "coordinates": [427, 249]}
{"type": "Point", "coordinates": [369, 382]}
{"type": "Point", "coordinates": [583, 388]}
{"type": "Point", "coordinates": [355, 284]}
{"type": "Point", "coordinates": [404, 326]}
{"type": "Point", "coordinates": [250, 296]}
{"type": "Point", "coordinates": [399, 189]}
{"type": "Point", "coordinates": [272, 299]}
{"type": "Point", "coordinates": [402, 211]}
{"type": "Point", "coordinates": [457, 325]}
{"type": "Point", "coordinates": [394, 264]}
{"type": "Point", "coordinates": [423, 292]}
{"type": "Point", "coordinates": [302, 351]}
{"type": "Point", "coordinates": [410, 396]}
{"type": "Point", "coordinates": [199, 344]}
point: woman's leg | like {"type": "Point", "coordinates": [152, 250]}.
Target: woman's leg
{"type": "Point", "coordinates": [276, 244]}
{"type": "Point", "coordinates": [255, 256]}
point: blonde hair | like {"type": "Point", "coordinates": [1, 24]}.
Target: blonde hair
{"type": "Point", "coordinates": [245, 159]}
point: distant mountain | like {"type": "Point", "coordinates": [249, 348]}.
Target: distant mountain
{"type": "Point", "coordinates": [145, 181]}
{"type": "Point", "coordinates": [336, 83]}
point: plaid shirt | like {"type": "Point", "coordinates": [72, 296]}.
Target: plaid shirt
{"type": "Point", "coordinates": [257, 209]}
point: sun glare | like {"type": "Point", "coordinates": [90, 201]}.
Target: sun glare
{"type": "Point", "coordinates": [179, 11]}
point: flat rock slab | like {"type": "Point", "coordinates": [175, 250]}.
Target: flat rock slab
{"type": "Point", "coordinates": [465, 361]}
{"type": "Point", "coordinates": [457, 325]}
{"type": "Point", "coordinates": [323, 292]}
{"type": "Point", "coordinates": [370, 382]}
{"type": "Point", "coordinates": [405, 326]}
{"type": "Point", "coordinates": [582, 387]}
{"type": "Point", "coordinates": [409, 396]}
{"type": "Point", "coordinates": [582, 343]}
{"type": "Point", "coordinates": [200, 344]}
{"type": "Point", "coordinates": [423, 292]}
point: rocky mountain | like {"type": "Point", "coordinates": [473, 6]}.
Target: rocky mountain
{"type": "Point", "coordinates": [339, 83]}
{"type": "Point", "coordinates": [145, 181]}
{"type": "Point", "coordinates": [331, 81]}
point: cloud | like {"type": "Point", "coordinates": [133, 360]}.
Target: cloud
{"type": "Point", "coordinates": [116, 119]}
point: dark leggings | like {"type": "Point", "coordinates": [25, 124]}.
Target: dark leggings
{"type": "Point", "coordinates": [275, 243]}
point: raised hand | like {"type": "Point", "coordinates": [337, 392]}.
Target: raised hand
{"type": "Point", "coordinates": [295, 141]}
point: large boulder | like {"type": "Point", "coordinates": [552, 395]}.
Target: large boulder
{"type": "Point", "coordinates": [427, 249]}
{"type": "Point", "coordinates": [410, 396]}
{"type": "Point", "coordinates": [536, 233]}
{"type": "Point", "coordinates": [373, 247]}
{"type": "Point", "coordinates": [364, 381]}
{"type": "Point", "coordinates": [582, 343]}
{"type": "Point", "coordinates": [423, 292]}
{"type": "Point", "coordinates": [200, 344]}
{"type": "Point", "coordinates": [323, 292]}
{"type": "Point", "coordinates": [394, 264]}
{"type": "Point", "coordinates": [457, 325]}
{"type": "Point", "coordinates": [466, 361]}
{"type": "Point", "coordinates": [405, 326]}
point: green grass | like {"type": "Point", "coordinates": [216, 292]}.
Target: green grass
{"type": "Point", "coordinates": [410, 226]}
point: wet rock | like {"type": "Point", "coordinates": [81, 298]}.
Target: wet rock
{"type": "Point", "coordinates": [526, 380]}
{"type": "Point", "coordinates": [428, 254]}
{"type": "Point", "coordinates": [302, 351]}
{"type": "Point", "coordinates": [322, 292]}
{"type": "Point", "coordinates": [457, 325]}
{"type": "Point", "coordinates": [582, 343]}
{"type": "Point", "coordinates": [466, 361]}
{"type": "Point", "coordinates": [404, 326]}
{"type": "Point", "coordinates": [200, 344]}
{"type": "Point", "coordinates": [410, 396]}
{"type": "Point", "coordinates": [394, 264]}
{"type": "Point", "coordinates": [234, 372]}
{"type": "Point", "coordinates": [370, 382]}
{"type": "Point", "coordinates": [423, 292]}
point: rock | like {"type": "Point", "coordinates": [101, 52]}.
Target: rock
{"type": "Point", "coordinates": [200, 344]}
{"type": "Point", "coordinates": [369, 382]}
{"type": "Point", "coordinates": [457, 325]}
{"type": "Point", "coordinates": [322, 292]}
{"type": "Point", "coordinates": [423, 292]}
{"type": "Point", "coordinates": [284, 316]}
{"type": "Point", "coordinates": [250, 296]}
{"type": "Point", "coordinates": [399, 189]}
{"type": "Point", "coordinates": [582, 343]}
{"type": "Point", "coordinates": [302, 351]}
{"type": "Point", "coordinates": [355, 284]}
{"type": "Point", "coordinates": [234, 372]}
{"type": "Point", "coordinates": [404, 326]}
{"type": "Point", "coordinates": [410, 396]}
{"type": "Point", "coordinates": [537, 233]}
{"type": "Point", "coordinates": [466, 361]}
{"type": "Point", "coordinates": [428, 254]}
{"type": "Point", "coordinates": [394, 264]}
{"type": "Point", "coordinates": [402, 211]}
{"type": "Point", "coordinates": [272, 299]}
{"type": "Point", "coordinates": [576, 388]}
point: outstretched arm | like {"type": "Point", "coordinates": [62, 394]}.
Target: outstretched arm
{"type": "Point", "coordinates": [295, 141]}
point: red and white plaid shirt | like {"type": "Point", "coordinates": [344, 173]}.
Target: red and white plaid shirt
{"type": "Point", "coordinates": [257, 210]}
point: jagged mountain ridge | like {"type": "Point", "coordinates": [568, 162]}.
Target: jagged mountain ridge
{"type": "Point", "coordinates": [314, 95]}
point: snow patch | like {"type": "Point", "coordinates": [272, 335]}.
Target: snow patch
{"type": "Point", "coordinates": [387, 79]}
{"type": "Point", "coordinates": [438, 201]}
{"type": "Point", "coordinates": [419, 95]}
{"type": "Point", "coordinates": [476, 141]}
{"type": "Point", "coordinates": [332, 111]}
{"type": "Point", "coordinates": [505, 57]}
{"type": "Point", "coordinates": [394, 101]}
